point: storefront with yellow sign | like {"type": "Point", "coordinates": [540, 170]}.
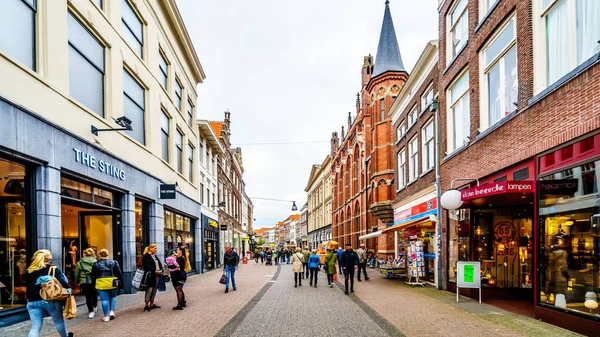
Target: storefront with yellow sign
{"type": "Point", "coordinates": [210, 244]}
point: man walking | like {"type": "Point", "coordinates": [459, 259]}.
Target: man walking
{"type": "Point", "coordinates": [349, 262]}
{"type": "Point", "coordinates": [362, 262]}
{"type": "Point", "coordinates": [339, 258]}
{"type": "Point", "coordinates": [306, 254]}
{"type": "Point", "coordinates": [231, 261]}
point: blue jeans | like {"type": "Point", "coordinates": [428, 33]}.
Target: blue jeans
{"type": "Point", "coordinates": [230, 273]}
{"type": "Point", "coordinates": [36, 311]}
{"type": "Point", "coordinates": [108, 299]}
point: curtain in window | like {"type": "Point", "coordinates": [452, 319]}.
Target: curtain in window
{"type": "Point", "coordinates": [588, 29]}
{"type": "Point", "coordinates": [557, 35]}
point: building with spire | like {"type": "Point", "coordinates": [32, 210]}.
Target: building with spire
{"type": "Point", "coordinates": [363, 157]}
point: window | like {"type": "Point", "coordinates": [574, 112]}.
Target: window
{"type": "Point", "coordinates": [401, 169]}
{"type": "Point", "coordinates": [207, 161]}
{"type": "Point", "coordinates": [201, 144]}
{"type": "Point", "coordinates": [17, 30]}
{"type": "Point", "coordinates": [178, 93]}
{"type": "Point", "coordinates": [484, 7]}
{"type": "Point", "coordinates": [413, 159]}
{"type": "Point", "coordinates": [164, 135]}
{"type": "Point", "coordinates": [163, 69]}
{"type": "Point", "coordinates": [86, 66]}
{"type": "Point", "coordinates": [190, 113]}
{"type": "Point", "coordinates": [132, 28]}
{"type": "Point", "coordinates": [412, 117]}
{"type": "Point", "coordinates": [428, 146]}
{"type": "Point", "coordinates": [458, 118]}
{"type": "Point", "coordinates": [190, 153]}
{"type": "Point", "coordinates": [427, 98]}
{"type": "Point", "coordinates": [500, 71]}
{"type": "Point", "coordinates": [179, 145]}
{"type": "Point", "coordinates": [458, 29]}
{"type": "Point", "coordinates": [382, 109]}
{"type": "Point", "coordinates": [134, 100]}
{"type": "Point", "coordinates": [98, 3]}
{"type": "Point", "coordinates": [571, 34]}
{"type": "Point", "coordinates": [401, 131]}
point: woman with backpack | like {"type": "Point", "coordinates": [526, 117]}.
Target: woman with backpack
{"type": "Point", "coordinates": [83, 277]}
{"type": "Point", "coordinates": [179, 275]}
{"type": "Point", "coordinates": [106, 275]}
{"type": "Point", "coordinates": [39, 272]}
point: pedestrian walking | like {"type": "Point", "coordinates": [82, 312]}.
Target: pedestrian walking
{"type": "Point", "coordinates": [151, 264]}
{"type": "Point", "coordinates": [362, 262]}
{"type": "Point", "coordinates": [306, 254]}
{"type": "Point", "coordinates": [262, 257]}
{"type": "Point", "coordinates": [330, 260]}
{"type": "Point", "coordinates": [83, 277]}
{"type": "Point", "coordinates": [339, 258]}
{"type": "Point", "coordinates": [276, 257]}
{"type": "Point", "coordinates": [179, 269]}
{"type": "Point", "coordinates": [288, 255]}
{"type": "Point", "coordinates": [256, 255]}
{"type": "Point", "coordinates": [349, 262]}
{"type": "Point", "coordinates": [269, 257]}
{"type": "Point", "coordinates": [314, 263]}
{"type": "Point", "coordinates": [38, 273]}
{"type": "Point", "coordinates": [297, 263]}
{"type": "Point", "coordinates": [107, 277]}
{"type": "Point", "coordinates": [231, 261]}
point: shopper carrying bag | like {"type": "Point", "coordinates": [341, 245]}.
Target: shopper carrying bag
{"type": "Point", "coordinates": [107, 277]}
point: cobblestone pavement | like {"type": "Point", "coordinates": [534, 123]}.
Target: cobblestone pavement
{"type": "Point", "coordinates": [208, 310]}
{"type": "Point", "coordinates": [430, 312]}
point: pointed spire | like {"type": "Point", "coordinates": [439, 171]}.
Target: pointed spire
{"type": "Point", "coordinates": [388, 53]}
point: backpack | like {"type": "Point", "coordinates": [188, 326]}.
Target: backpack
{"type": "Point", "coordinates": [52, 290]}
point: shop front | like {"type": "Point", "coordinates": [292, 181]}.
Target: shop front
{"type": "Point", "coordinates": [569, 240]}
{"type": "Point", "coordinates": [495, 226]}
{"type": "Point", "coordinates": [210, 228]}
{"type": "Point", "coordinates": [64, 194]}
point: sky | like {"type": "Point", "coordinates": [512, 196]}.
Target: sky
{"type": "Point", "coordinates": [288, 71]}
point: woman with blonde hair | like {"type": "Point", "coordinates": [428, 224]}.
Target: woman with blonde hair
{"type": "Point", "coordinates": [151, 264]}
{"type": "Point", "coordinates": [298, 266]}
{"type": "Point", "coordinates": [83, 277]}
{"type": "Point", "coordinates": [106, 276]}
{"type": "Point", "coordinates": [41, 266]}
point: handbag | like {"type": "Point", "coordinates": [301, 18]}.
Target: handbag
{"type": "Point", "coordinates": [161, 285]}
{"type": "Point", "coordinates": [53, 290]}
{"type": "Point", "coordinates": [117, 283]}
{"type": "Point", "coordinates": [223, 279]}
{"type": "Point", "coordinates": [106, 283]}
{"type": "Point", "coordinates": [138, 280]}
{"type": "Point", "coordinates": [70, 308]}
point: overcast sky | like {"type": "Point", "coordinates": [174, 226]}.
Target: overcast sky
{"type": "Point", "coordinates": [289, 71]}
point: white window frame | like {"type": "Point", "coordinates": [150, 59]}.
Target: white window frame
{"type": "Point", "coordinates": [427, 98]}
{"type": "Point", "coordinates": [427, 143]}
{"type": "Point", "coordinates": [484, 7]}
{"type": "Point", "coordinates": [485, 68]}
{"type": "Point", "coordinates": [412, 117]}
{"type": "Point", "coordinates": [452, 52]}
{"type": "Point", "coordinates": [452, 142]}
{"type": "Point", "coordinates": [413, 159]}
{"type": "Point", "coordinates": [401, 176]}
{"type": "Point", "coordinates": [541, 80]}
{"type": "Point", "coordinates": [401, 131]}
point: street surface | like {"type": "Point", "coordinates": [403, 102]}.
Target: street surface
{"type": "Point", "coordinates": [267, 304]}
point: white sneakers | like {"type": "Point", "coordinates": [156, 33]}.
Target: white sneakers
{"type": "Point", "coordinates": [92, 314]}
{"type": "Point", "coordinates": [112, 314]}
{"type": "Point", "coordinates": [106, 318]}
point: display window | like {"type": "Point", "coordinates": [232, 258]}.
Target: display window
{"type": "Point", "coordinates": [178, 233]}
{"type": "Point", "coordinates": [459, 244]}
{"type": "Point", "coordinates": [569, 212]}
{"type": "Point", "coordinates": [14, 247]}
{"type": "Point", "coordinates": [141, 230]}
{"type": "Point", "coordinates": [420, 240]}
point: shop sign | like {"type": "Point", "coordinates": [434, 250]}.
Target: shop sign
{"type": "Point", "coordinates": [559, 187]}
{"type": "Point", "coordinates": [223, 227]}
{"type": "Point", "coordinates": [100, 165]}
{"type": "Point", "coordinates": [507, 186]}
{"type": "Point", "coordinates": [421, 210]}
{"type": "Point", "coordinates": [167, 191]}
{"type": "Point", "coordinates": [213, 223]}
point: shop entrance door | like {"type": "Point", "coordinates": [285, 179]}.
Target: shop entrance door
{"type": "Point", "coordinates": [210, 254]}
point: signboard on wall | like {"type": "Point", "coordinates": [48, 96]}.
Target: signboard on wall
{"type": "Point", "coordinates": [167, 191]}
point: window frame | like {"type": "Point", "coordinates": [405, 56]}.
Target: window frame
{"type": "Point", "coordinates": [167, 133]}
{"type": "Point", "coordinates": [450, 123]}
{"type": "Point", "coordinates": [178, 95]}
{"type": "Point", "coordinates": [424, 103]}
{"type": "Point", "coordinates": [401, 174]}
{"type": "Point", "coordinates": [190, 161]}
{"type": "Point", "coordinates": [451, 51]}
{"type": "Point", "coordinates": [165, 72]}
{"type": "Point", "coordinates": [401, 131]}
{"type": "Point", "coordinates": [190, 112]}
{"type": "Point", "coordinates": [382, 109]}
{"type": "Point", "coordinates": [126, 26]}
{"type": "Point", "coordinates": [486, 67]}
{"type": "Point", "coordinates": [413, 159]}
{"type": "Point", "coordinates": [179, 151]}
{"type": "Point", "coordinates": [32, 5]}
{"type": "Point", "coordinates": [425, 144]}
{"type": "Point", "coordinates": [127, 96]}
{"type": "Point", "coordinates": [485, 8]}
{"type": "Point", "coordinates": [413, 112]}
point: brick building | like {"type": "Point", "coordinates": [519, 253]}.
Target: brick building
{"type": "Point", "coordinates": [519, 109]}
{"type": "Point", "coordinates": [363, 159]}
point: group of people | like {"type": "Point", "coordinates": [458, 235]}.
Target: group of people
{"type": "Point", "coordinates": [98, 278]}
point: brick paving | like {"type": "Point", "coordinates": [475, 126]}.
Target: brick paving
{"type": "Point", "coordinates": [430, 312]}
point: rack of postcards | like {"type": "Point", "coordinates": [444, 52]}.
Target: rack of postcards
{"type": "Point", "coordinates": [416, 263]}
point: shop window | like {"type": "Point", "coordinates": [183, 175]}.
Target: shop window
{"type": "Point", "coordinates": [17, 30]}
{"type": "Point", "coordinates": [86, 66]}
{"type": "Point", "coordinates": [75, 190]}
{"type": "Point", "coordinates": [569, 215]}
{"type": "Point", "coordinates": [134, 106]}
{"type": "Point", "coordinates": [132, 28]}
{"type": "Point", "coordinates": [179, 232]}
{"type": "Point", "coordinates": [459, 229]}
{"type": "Point", "coordinates": [14, 247]}
{"type": "Point", "coordinates": [142, 229]}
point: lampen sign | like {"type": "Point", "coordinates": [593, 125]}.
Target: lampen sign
{"type": "Point", "coordinates": [507, 186]}
{"type": "Point", "coordinates": [100, 165]}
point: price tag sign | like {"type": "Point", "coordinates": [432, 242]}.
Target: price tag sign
{"type": "Point", "coordinates": [468, 276]}
{"type": "Point", "coordinates": [469, 272]}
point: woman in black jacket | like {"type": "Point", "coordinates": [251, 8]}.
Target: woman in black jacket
{"type": "Point", "coordinates": [152, 265]}
{"type": "Point", "coordinates": [179, 276]}
{"type": "Point", "coordinates": [104, 274]}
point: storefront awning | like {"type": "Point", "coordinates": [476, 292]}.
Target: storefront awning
{"type": "Point", "coordinates": [427, 218]}
{"type": "Point", "coordinates": [370, 235]}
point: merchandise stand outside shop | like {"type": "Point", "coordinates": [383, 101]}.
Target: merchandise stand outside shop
{"type": "Point", "coordinates": [416, 263]}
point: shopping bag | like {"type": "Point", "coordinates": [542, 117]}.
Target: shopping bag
{"type": "Point", "coordinates": [335, 277]}
{"type": "Point", "coordinates": [223, 279]}
{"type": "Point", "coordinates": [70, 308]}
{"type": "Point", "coordinates": [140, 279]}
{"type": "Point", "coordinates": [161, 286]}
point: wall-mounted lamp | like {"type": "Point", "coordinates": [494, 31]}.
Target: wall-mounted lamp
{"type": "Point", "coordinates": [434, 105]}
{"type": "Point", "coordinates": [123, 121]}
{"type": "Point", "coordinates": [452, 199]}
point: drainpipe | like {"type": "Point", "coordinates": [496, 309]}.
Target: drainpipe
{"type": "Point", "coordinates": [438, 226]}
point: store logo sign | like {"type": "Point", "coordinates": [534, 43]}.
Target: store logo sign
{"type": "Point", "coordinates": [502, 187]}
{"type": "Point", "coordinates": [167, 191]}
{"type": "Point", "coordinates": [100, 165]}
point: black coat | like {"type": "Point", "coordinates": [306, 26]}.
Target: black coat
{"type": "Point", "coordinates": [349, 260]}
{"type": "Point", "coordinates": [106, 268]}
{"type": "Point", "coordinates": [178, 277]}
{"type": "Point", "coordinates": [149, 266]}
